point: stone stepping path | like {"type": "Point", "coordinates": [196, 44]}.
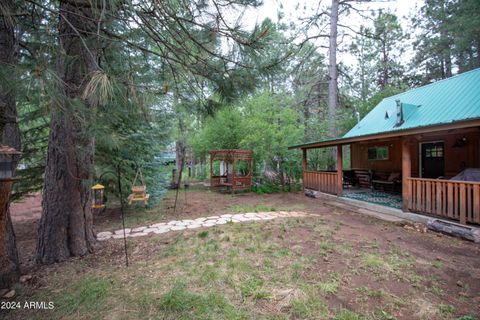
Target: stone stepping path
{"type": "Point", "coordinates": [206, 222]}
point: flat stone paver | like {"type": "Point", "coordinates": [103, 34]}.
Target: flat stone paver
{"type": "Point", "coordinates": [104, 234]}
{"type": "Point", "coordinates": [206, 222]}
{"type": "Point", "coordinates": [127, 230]}
{"type": "Point", "coordinates": [161, 231]}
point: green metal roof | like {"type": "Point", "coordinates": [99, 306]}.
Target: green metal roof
{"type": "Point", "coordinates": [446, 101]}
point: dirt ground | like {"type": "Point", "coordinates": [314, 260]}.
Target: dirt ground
{"type": "Point", "coordinates": [364, 253]}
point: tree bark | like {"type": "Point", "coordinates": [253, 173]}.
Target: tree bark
{"type": "Point", "coordinates": [9, 264]}
{"type": "Point", "coordinates": [66, 225]}
{"type": "Point", "coordinates": [180, 155]}
{"type": "Point", "coordinates": [333, 75]}
{"type": "Point", "coordinates": [332, 68]}
{"type": "Point", "coordinates": [385, 78]}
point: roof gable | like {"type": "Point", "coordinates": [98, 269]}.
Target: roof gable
{"type": "Point", "coordinates": [445, 101]}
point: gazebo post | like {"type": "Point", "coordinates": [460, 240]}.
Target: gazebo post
{"type": "Point", "coordinates": [211, 169]}
{"type": "Point", "coordinates": [233, 174]}
{"type": "Point", "coordinates": [250, 172]}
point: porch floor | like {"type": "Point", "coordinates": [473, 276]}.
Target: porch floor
{"type": "Point", "coordinates": [393, 200]}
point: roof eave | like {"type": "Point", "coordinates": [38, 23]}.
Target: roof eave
{"type": "Point", "coordinates": [390, 134]}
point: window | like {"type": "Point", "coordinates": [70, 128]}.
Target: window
{"type": "Point", "coordinates": [435, 151]}
{"type": "Point", "coordinates": [378, 153]}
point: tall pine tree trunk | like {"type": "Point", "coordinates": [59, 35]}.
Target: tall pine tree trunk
{"type": "Point", "coordinates": [9, 265]}
{"type": "Point", "coordinates": [180, 159]}
{"type": "Point", "coordinates": [66, 225]}
{"type": "Point", "coordinates": [384, 78]}
{"type": "Point", "coordinates": [333, 78]}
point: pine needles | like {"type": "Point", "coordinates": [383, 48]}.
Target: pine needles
{"type": "Point", "coordinates": [99, 90]}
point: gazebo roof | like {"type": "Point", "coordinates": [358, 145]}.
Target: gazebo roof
{"type": "Point", "coordinates": [237, 154]}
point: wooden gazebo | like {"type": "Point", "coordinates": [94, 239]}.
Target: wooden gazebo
{"type": "Point", "coordinates": [230, 176]}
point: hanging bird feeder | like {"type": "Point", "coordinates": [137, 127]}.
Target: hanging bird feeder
{"type": "Point", "coordinates": [139, 192]}
{"type": "Point", "coordinates": [98, 190]}
{"type": "Point", "coordinates": [7, 155]}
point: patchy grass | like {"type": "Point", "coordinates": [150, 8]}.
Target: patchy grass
{"type": "Point", "coordinates": [89, 295]}
{"type": "Point", "coordinates": [373, 261]}
{"type": "Point", "coordinates": [305, 268]}
{"type": "Point", "coordinates": [181, 303]}
{"type": "Point", "coordinates": [346, 315]}
{"type": "Point", "coordinates": [310, 307]}
{"type": "Point", "coordinates": [330, 286]}
{"type": "Point", "coordinates": [446, 308]}
{"type": "Point", "coordinates": [244, 208]}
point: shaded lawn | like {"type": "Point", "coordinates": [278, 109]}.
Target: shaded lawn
{"type": "Point", "coordinates": [332, 266]}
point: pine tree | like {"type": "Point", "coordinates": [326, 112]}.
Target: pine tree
{"type": "Point", "coordinates": [9, 265]}
{"type": "Point", "coordinates": [66, 225]}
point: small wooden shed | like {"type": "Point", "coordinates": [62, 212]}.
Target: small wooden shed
{"type": "Point", "coordinates": [231, 176]}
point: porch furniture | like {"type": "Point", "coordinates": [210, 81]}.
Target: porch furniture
{"type": "Point", "coordinates": [386, 181]}
{"type": "Point", "coordinates": [363, 177]}
{"type": "Point", "coordinates": [349, 178]}
{"type": "Point", "coordinates": [469, 174]}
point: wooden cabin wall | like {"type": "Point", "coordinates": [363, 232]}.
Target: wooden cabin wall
{"type": "Point", "coordinates": [359, 156]}
{"type": "Point", "coordinates": [456, 159]}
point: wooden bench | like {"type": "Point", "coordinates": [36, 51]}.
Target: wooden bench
{"type": "Point", "coordinates": [386, 181]}
{"type": "Point", "coordinates": [363, 177]}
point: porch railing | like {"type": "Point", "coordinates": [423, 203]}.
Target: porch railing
{"type": "Point", "coordinates": [458, 200]}
{"type": "Point", "coordinates": [321, 181]}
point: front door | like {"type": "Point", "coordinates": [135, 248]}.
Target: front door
{"type": "Point", "coordinates": [433, 160]}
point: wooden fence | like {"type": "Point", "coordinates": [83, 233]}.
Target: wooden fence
{"type": "Point", "coordinates": [321, 181]}
{"type": "Point", "coordinates": [458, 200]}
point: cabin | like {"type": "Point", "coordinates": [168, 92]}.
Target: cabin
{"type": "Point", "coordinates": [421, 147]}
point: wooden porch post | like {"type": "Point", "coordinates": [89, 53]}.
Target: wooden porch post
{"type": "Point", "coordinates": [304, 160]}
{"type": "Point", "coordinates": [406, 173]}
{"type": "Point", "coordinates": [304, 167]}
{"type": "Point", "coordinates": [339, 170]}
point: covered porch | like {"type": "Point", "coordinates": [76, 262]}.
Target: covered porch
{"type": "Point", "coordinates": [411, 171]}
